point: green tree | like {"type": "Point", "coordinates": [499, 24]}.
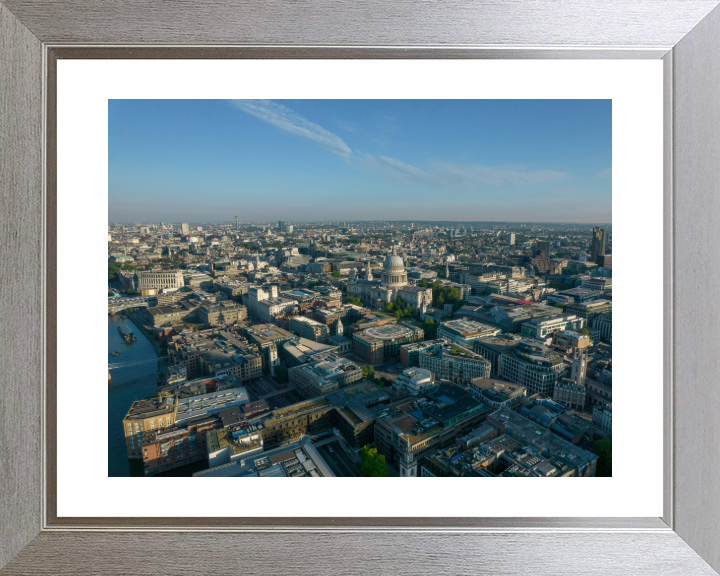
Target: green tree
{"type": "Point", "coordinates": [314, 283]}
{"type": "Point", "coordinates": [129, 267]}
{"type": "Point", "coordinates": [424, 283]}
{"type": "Point", "coordinates": [389, 307]}
{"type": "Point", "coordinates": [368, 372]}
{"type": "Point", "coordinates": [603, 448]}
{"type": "Point", "coordinates": [113, 269]}
{"type": "Point", "coordinates": [281, 374]}
{"type": "Point", "coordinates": [373, 464]}
{"type": "Point", "coordinates": [430, 328]}
{"type": "Point", "coordinates": [353, 300]}
{"type": "Point", "coordinates": [584, 331]}
{"type": "Point", "coordinates": [336, 274]}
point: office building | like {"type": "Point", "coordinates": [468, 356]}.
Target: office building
{"type": "Point", "coordinates": [414, 381]}
{"type": "Point", "coordinates": [204, 405]}
{"type": "Point", "coordinates": [508, 445]}
{"type": "Point", "coordinates": [146, 415]}
{"type": "Point", "coordinates": [523, 361]}
{"type": "Point", "coordinates": [323, 374]}
{"type": "Point", "coordinates": [454, 363]}
{"type": "Point", "coordinates": [185, 229]}
{"type": "Point", "coordinates": [569, 393]}
{"type": "Point", "coordinates": [160, 280]}
{"type": "Point", "coordinates": [269, 339]}
{"type": "Point", "coordinates": [496, 394]}
{"type": "Point", "coordinates": [466, 332]}
{"type": "Point", "coordinates": [602, 417]}
{"type": "Point", "coordinates": [310, 329]}
{"type": "Point", "coordinates": [568, 341]}
{"type": "Point", "coordinates": [599, 239]}
{"type": "Point", "coordinates": [603, 323]}
{"type": "Point", "coordinates": [379, 344]}
{"type": "Point", "coordinates": [542, 329]}
{"type": "Point", "coordinates": [415, 426]}
{"type": "Point", "coordinates": [225, 312]}
{"type": "Point", "coordinates": [166, 449]}
{"type": "Point", "coordinates": [410, 353]}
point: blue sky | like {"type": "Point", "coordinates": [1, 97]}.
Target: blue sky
{"type": "Point", "coordinates": [317, 160]}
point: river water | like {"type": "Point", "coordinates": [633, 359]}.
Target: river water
{"type": "Point", "coordinates": [134, 378]}
{"type": "Point", "coordinates": [128, 383]}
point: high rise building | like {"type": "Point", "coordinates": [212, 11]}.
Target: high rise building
{"type": "Point", "coordinates": [281, 226]}
{"type": "Point", "coordinates": [237, 226]}
{"type": "Point", "coordinates": [185, 229]}
{"type": "Point", "coordinates": [544, 248]}
{"type": "Point", "coordinates": [512, 239]}
{"type": "Point", "coordinates": [579, 367]}
{"type": "Point", "coordinates": [599, 240]}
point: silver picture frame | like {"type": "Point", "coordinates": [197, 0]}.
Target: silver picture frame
{"type": "Point", "coordinates": [685, 34]}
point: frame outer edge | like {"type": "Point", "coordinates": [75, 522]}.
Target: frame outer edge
{"type": "Point", "coordinates": [21, 279]}
{"type": "Point", "coordinates": [368, 22]}
{"type": "Point", "coordinates": [696, 175]}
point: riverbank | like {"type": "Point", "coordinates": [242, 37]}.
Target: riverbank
{"type": "Point", "coordinates": [137, 319]}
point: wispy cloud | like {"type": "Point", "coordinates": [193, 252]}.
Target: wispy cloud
{"type": "Point", "coordinates": [396, 170]}
{"type": "Point", "coordinates": [288, 120]}
{"type": "Point", "coordinates": [469, 176]}
{"type": "Point", "coordinates": [444, 175]}
{"type": "Point", "coordinates": [607, 173]}
{"type": "Point", "coordinates": [439, 174]}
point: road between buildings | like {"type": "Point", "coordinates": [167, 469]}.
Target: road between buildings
{"type": "Point", "coordinates": [338, 461]}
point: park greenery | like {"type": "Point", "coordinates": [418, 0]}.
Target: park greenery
{"type": "Point", "coordinates": [368, 373]}
{"type": "Point", "coordinates": [442, 294]}
{"type": "Point", "coordinates": [373, 464]}
{"type": "Point", "coordinates": [281, 374]}
{"type": "Point", "coordinates": [430, 328]}
{"type": "Point", "coordinates": [353, 300]}
{"type": "Point", "coordinates": [399, 309]}
{"type": "Point", "coordinates": [336, 274]}
{"type": "Point", "coordinates": [603, 448]}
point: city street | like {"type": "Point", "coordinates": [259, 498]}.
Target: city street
{"type": "Point", "coordinates": [338, 461]}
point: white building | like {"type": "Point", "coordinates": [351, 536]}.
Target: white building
{"type": "Point", "coordinates": [160, 280]}
{"type": "Point", "coordinates": [466, 332]}
{"type": "Point", "coordinates": [414, 380]}
{"type": "Point", "coordinates": [542, 329]}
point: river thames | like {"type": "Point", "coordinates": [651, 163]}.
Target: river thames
{"type": "Point", "coordinates": [133, 379]}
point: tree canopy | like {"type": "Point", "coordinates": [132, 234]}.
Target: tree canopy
{"type": "Point", "coordinates": [430, 328]}
{"type": "Point", "coordinates": [603, 448]}
{"type": "Point", "coordinates": [353, 300]}
{"type": "Point", "coordinates": [373, 464]}
{"type": "Point", "coordinates": [281, 374]}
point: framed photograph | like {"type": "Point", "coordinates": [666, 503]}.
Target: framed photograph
{"type": "Point", "coordinates": [367, 242]}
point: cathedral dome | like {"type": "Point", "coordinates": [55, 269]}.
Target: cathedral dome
{"type": "Point", "coordinates": [393, 262]}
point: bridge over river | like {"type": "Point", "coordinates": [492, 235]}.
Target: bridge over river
{"type": "Point", "coordinates": [116, 305]}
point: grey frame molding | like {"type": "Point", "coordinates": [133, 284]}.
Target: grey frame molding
{"type": "Point", "coordinates": [33, 35]}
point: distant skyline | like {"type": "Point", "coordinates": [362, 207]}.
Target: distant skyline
{"type": "Point", "coordinates": [352, 160]}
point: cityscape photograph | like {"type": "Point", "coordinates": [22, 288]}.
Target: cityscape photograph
{"type": "Point", "coordinates": [360, 288]}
